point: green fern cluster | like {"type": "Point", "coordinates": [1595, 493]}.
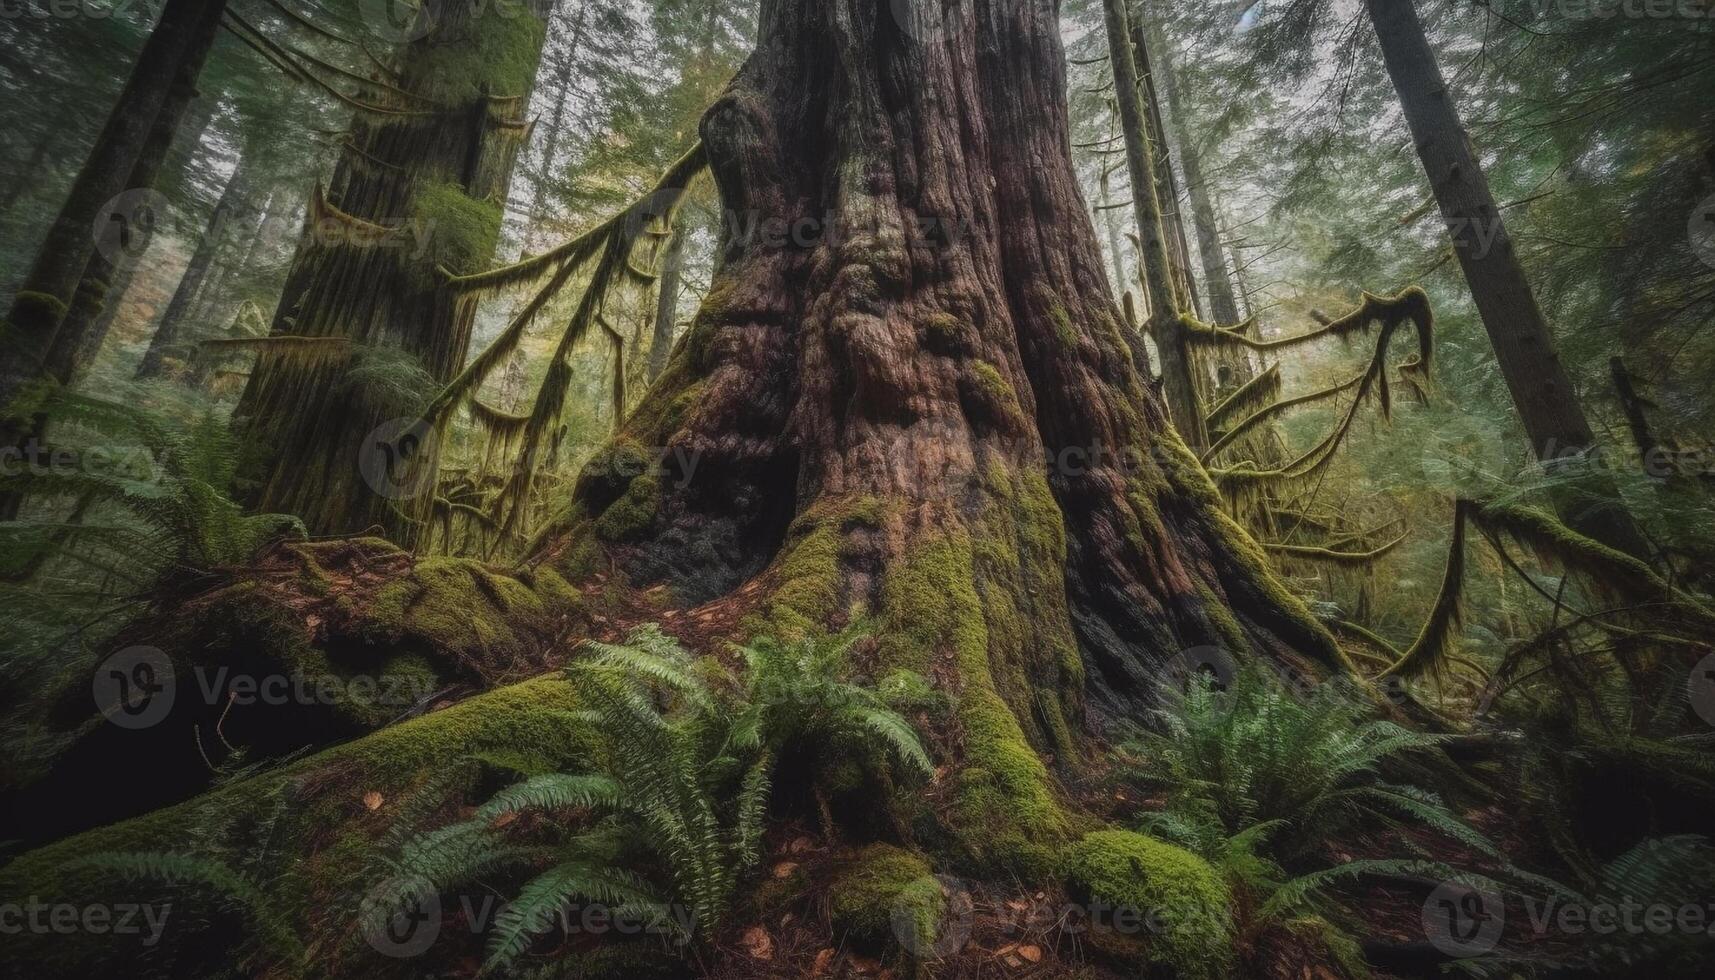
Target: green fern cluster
{"type": "Point", "coordinates": [1259, 778]}
{"type": "Point", "coordinates": [161, 506]}
{"type": "Point", "coordinates": [1257, 753]}
{"type": "Point", "coordinates": [670, 813]}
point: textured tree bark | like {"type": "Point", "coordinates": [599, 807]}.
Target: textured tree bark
{"type": "Point", "coordinates": [940, 432]}
{"type": "Point", "coordinates": [169, 335]}
{"type": "Point", "coordinates": [1177, 375]}
{"type": "Point", "coordinates": [46, 294]}
{"type": "Point", "coordinates": [1524, 346]}
{"type": "Point", "coordinates": [419, 189]}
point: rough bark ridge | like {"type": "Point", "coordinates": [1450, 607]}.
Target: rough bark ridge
{"type": "Point", "coordinates": [867, 414]}
{"type": "Point", "coordinates": [419, 189]}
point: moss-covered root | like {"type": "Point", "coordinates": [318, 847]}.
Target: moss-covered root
{"type": "Point", "coordinates": [308, 841]}
{"type": "Point", "coordinates": [887, 900]}
{"type": "Point", "coordinates": [1152, 902]}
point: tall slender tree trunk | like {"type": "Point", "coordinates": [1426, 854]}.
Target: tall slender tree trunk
{"type": "Point", "coordinates": [14, 190]}
{"type": "Point", "coordinates": [169, 338]}
{"type": "Point", "coordinates": [1178, 378]}
{"type": "Point", "coordinates": [666, 306]}
{"type": "Point", "coordinates": [47, 334]}
{"type": "Point", "coordinates": [1223, 304]}
{"type": "Point", "coordinates": [1167, 188]}
{"type": "Point", "coordinates": [182, 122]}
{"type": "Point", "coordinates": [1111, 224]}
{"type": "Point", "coordinates": [1524, 346]}
{"type": "Point", "coordinates": [33, 323]}
{"type": "Point", "coordinates": [419, 191]}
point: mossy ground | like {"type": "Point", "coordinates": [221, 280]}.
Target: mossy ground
{"type": "Point", "coordinates": [1163, 905]}
{"type": "Point", "coordinates": [317, 825]}
{"type": "Point", "coordinates": [887, 897]}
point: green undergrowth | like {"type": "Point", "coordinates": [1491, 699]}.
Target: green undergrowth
{"type": "Point", "coordinates": [322, 817]}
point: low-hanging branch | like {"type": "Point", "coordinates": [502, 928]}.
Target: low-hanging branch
{"type": "Point", "coordinates": [1257, 393]}
{"type": "Point", "coordinates": [1332, 556]}
{"type": "Point", "coordinates": [563, 262]}
{"type": "Point", "coordinates": [280, 58]}
{"type": "Point", "coordinates": [607, 253]}
{"type": "Point", "coordinates": [1606, 569]}
{"type": "Point", "coordinates": [1277, 409]}
{"type": "Point", "coordinates": [1411, 306]}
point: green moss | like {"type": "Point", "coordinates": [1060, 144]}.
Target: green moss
{"type": "Point", "coordinates": [495, 54]}
{"type": "Point", "coordinates": [884, 896]}
{"type": "Point", "coordinates": [314, 815]}
{"type": "Point", "coordinates": [1004, 812]}
{"type": "Point", "coordinates": [458, 607]}
{"type": "Point", "coordinates": [806, 598]}
{"type": "Point", "coordinates": [1063, 325]}
{"type": "Point", "coordinates": [1177, 893]}
{"type": "Point", "coordinates": [990, 382]}
{"type": "Point", "coordinates": [944, 333]}
{"type": "Point", "coordinates": [633, 513]}
{"type": "Point", "coordinates": [457, 231]}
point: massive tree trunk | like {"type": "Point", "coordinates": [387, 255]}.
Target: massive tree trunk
{"type": "Point", "coordinates": [33, 324]}
{"type": "Point", "coordinates": [417, 194]}
{"type": "Point", "coordinates": [1524, 346]}
{"type": "Point", "coordinates": [1178, 379]}
{"type": "Point", "coordinates": [857, 425]}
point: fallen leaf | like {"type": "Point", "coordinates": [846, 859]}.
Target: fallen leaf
{"type": "Point", "coordinates": [504, 819]}
{"type": "Point", "coordinates": [800, 844]}
{"type": "Point", "coordinates": [1031, 954]}
{"type": "Point", "coordinates": [758, 943]}
{"type": "Point", "coordinates": [865, 965]}
{"type": "Point", "coordinates": [823, 958]}
{"type": "Point", "coordinates": [372, 800]}
{"type": "Point", "coordinates": [784, 869]}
